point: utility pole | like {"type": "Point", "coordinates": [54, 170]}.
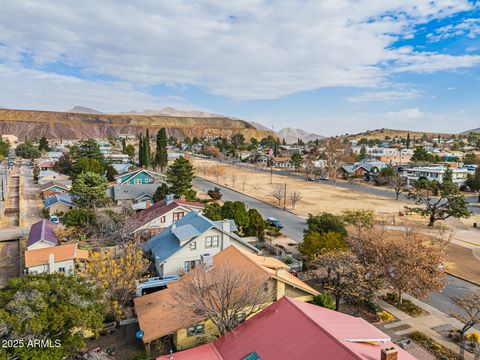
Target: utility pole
{"type": "Point", "coordinates": [285, 198]}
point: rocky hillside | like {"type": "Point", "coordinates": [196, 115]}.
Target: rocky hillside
{"type": "Point", "coordinates": [292, 135]}
{"type": "Point", "coordinates": [381, 133]}
{"type": "Point", "coordinates": [68, 125]}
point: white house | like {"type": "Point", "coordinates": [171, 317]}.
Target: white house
{"type": "Point", "coordinates": [459, 175]}
{"type": "Point", "coordinates": [192, 239]}
{"type": "Point", "coordinates": [62, 258]}
{"type": "Point", "coordinates": [162, 214]}
{"type": "Point", "coordinates": [41, 236]}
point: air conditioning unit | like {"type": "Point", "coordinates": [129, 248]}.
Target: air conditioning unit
{"type": "Point", "coordinates": [207, 260]}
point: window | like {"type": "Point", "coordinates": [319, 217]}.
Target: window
{"type": "Point", "coordinates": [211, 241]}
{"type": "Point", "coordinates": [137, 181]}
{"type": "Point", "coordinates": [265, 286]}
{"type": "Point", "coordinates": [162, 219]}
{"type": "Point", "coordinates": [188, 265]}
{"type": "Point", "coordinates": [147, 180]}
{"type": "Point", "coordinates": [61, 269]}
{"type": "Point", "coordinates": [193, 245]}
{"type": "Point", "coordinates": [195, 330]}
{"type": "Point", "coordinates": [177, 215]}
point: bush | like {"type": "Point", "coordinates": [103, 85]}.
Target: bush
{"type": "Point", "coordinates": [81, 217]}
{"type": "Point", "coordinates": [438, 350]}
{"type": "Point", "coordinates": [324, 300]}
{"type": "Point", "coordinates": [385, 316]}
{"type": "Point", "coordinates": [406, 306]}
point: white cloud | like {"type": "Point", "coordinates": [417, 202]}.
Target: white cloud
{"type": "Point", "coordinates": [467, 27]}
{"type": "Point", "coordinates": [388, 95]}
{"type": "Point", "coordinates": [243, 50]}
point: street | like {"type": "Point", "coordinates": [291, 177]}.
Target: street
{"type": "Point", "coordinates": [31, 211]}
{"type": "Point", "coordinates": [294, 226]}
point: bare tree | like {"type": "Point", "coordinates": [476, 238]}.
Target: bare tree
{"type": "Point", "coordinates": [336, 155]}
{"type": "Point", "coordinates": [233, 178]}
{"type": "Point", "coordinates": [223, 292]}
{"type": "Point", "coordinates": [217, 171]}
{"type": "Point", "coordinates": [244, 182]}
{"type": "Point", "coordinates": [469, 316]}
{"type": "Point", "coordinates": [397, 183]}
{"type": "Point", "coordinates": [295, 196]}
{"type": "Point", "coordinates": [341, 275]}
{"type": "Point", "coordinates": [278, 192]}
{"type": "Point", "coordinates": [203, 168]}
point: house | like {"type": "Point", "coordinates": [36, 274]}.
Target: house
{"type": "Point", "coordinates": [292, 329]}
{"type": "Point", "coordinates": [182, 245]}
{"type": "Point", "coordinates": [47, 164]}
{"type": "Point", "coordinates": [58, 204]}
{"type": "Point", "coordinates": [126, 194]}
{"type": "Point", "coordinates": [49, 175]}
{"type": "Point", "coordinates": [52, 188]}
{"type": "Point", "coordinates": [362, 168]}
{"type": "Point", "coordinates": [55, 155]}
{"type": "Point", "coordinates": [162, 215]}
{"type": "Point", "coordinates": [459, 175]}
{"type": "Point", "coordinates": [140, 177]}
{"type": "Point", "coordinates": [282, 162]}
{"type": "Point", "coordinates": [61, 258]}
{"type": "Point", "coordinates": [160, 316]}
{"type": "Point", "coordinates": [122, 168]}
{"type": "Point", "coordinates": [41, 236]}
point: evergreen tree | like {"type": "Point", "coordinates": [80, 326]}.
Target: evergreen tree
{"type": "Point", "coordinates": [43, 144]}
{"type": "Point", "coordinates": [147, 151]}
{"type": "Point", "coordinates": [180, 175]}
{"type": "Point", "coordinates": [408, 141]}
{"type": "Point", "coordinates": [140, 150]}
{"type": "Point", "coordinates": [161, 192]}
{"type": "Point", "coordinates": [161, 156]}
{"type": "Point", "coordinates": [124, 145]}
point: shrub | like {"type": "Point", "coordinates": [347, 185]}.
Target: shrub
{"type": "Point", "coordinates": [406, 305]}
{"type": "Point", "coordinates": [324, 300]}
{"type": "Point", "coordinates": [438, 350]}
{"type": "Point", "coordinates": [385, 316]}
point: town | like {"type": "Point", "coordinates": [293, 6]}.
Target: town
{"type": "Point", "coordinates": [157, 246]}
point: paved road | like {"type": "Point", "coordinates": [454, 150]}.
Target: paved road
{"type": "Point", "coordinates": [456, 287]}
{"type": "Point", "coordinates": [32, 205]}
{"type": "Point", "coordinates": [294, 225]}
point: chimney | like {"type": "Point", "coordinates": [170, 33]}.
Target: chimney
{"type": "Point", "coordinates": [148, 203]}
{"type": "Point", "coordinates": [169, 199]}
{"type": "Point", "coordinates": [51, 263]}
{"type": "Point", "coordinates": [389, 354]}
{"type": "Point", "coordinates": [183, 198]}
{"type": "Point", "coordinates": [226, 225]}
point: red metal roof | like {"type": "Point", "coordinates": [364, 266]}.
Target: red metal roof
{"type": "Point", "coordinates": [292, 329]}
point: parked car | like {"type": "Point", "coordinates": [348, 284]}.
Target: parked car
{"type": "Point", "coordinates": [275, 222]}
{"type": "Point", "coordinates": [54, 219]}
{"type": "Point", "coordinates": [324, 178]}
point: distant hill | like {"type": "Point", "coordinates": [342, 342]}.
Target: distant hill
{"type": "Point", "coordinates": [170, 111]}
{"type": "Point", "coordinates": [469, 131]}
{"type": "Point", "coordinates": [76, 125]}
{"type": "Point", "coordinates": [83, 110]}
{"type": "Point", "coordinates": [259, 126]}
{"type": "Point", "coordinates": [292, 135]}
{"type": "Point", "coordinates": [381, 133]}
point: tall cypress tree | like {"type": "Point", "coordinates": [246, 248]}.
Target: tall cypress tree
{"type": "Point", "coordinates": [147, 151]}
{"type": "Point", "coordinates": [161, 156]}
{"type": "Point", "coordinates": [140, 150]}
{"type": "Point", "coordinates": [408, 141]}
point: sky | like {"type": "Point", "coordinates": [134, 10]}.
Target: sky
{"type": "Point", "coordinates": [329, 67]}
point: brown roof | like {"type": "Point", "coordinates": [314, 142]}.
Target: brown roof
{"type": "Point", "coordinates": [159, 315]}
{"type": "Point", "coordinates": [61, 253]}
{"type": "Point", "coordinates": [53, 183]}
{"type": "Point", "coordinates": [160, 208]}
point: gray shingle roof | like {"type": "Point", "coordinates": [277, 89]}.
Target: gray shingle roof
{"type": "Point", "coordinates": [131, 192]}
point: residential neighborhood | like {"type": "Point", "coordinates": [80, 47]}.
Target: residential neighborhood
{"type": "Point", "coordinates": [258, 180]}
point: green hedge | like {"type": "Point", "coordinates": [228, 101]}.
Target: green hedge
{"type": "Point", "coordinates": [438, 350]}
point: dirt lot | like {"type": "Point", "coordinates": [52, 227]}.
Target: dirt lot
{"type": "Point", "coordinates": [9, 261]}
{"type": "Point", "coordinates": [316, 197]}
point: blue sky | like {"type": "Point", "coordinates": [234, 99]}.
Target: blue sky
{"type": "Point", "coordinates": [327, 67]}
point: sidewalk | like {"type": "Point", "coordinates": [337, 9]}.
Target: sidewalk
{"type": "Point", "coordinates": [425, 324]}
